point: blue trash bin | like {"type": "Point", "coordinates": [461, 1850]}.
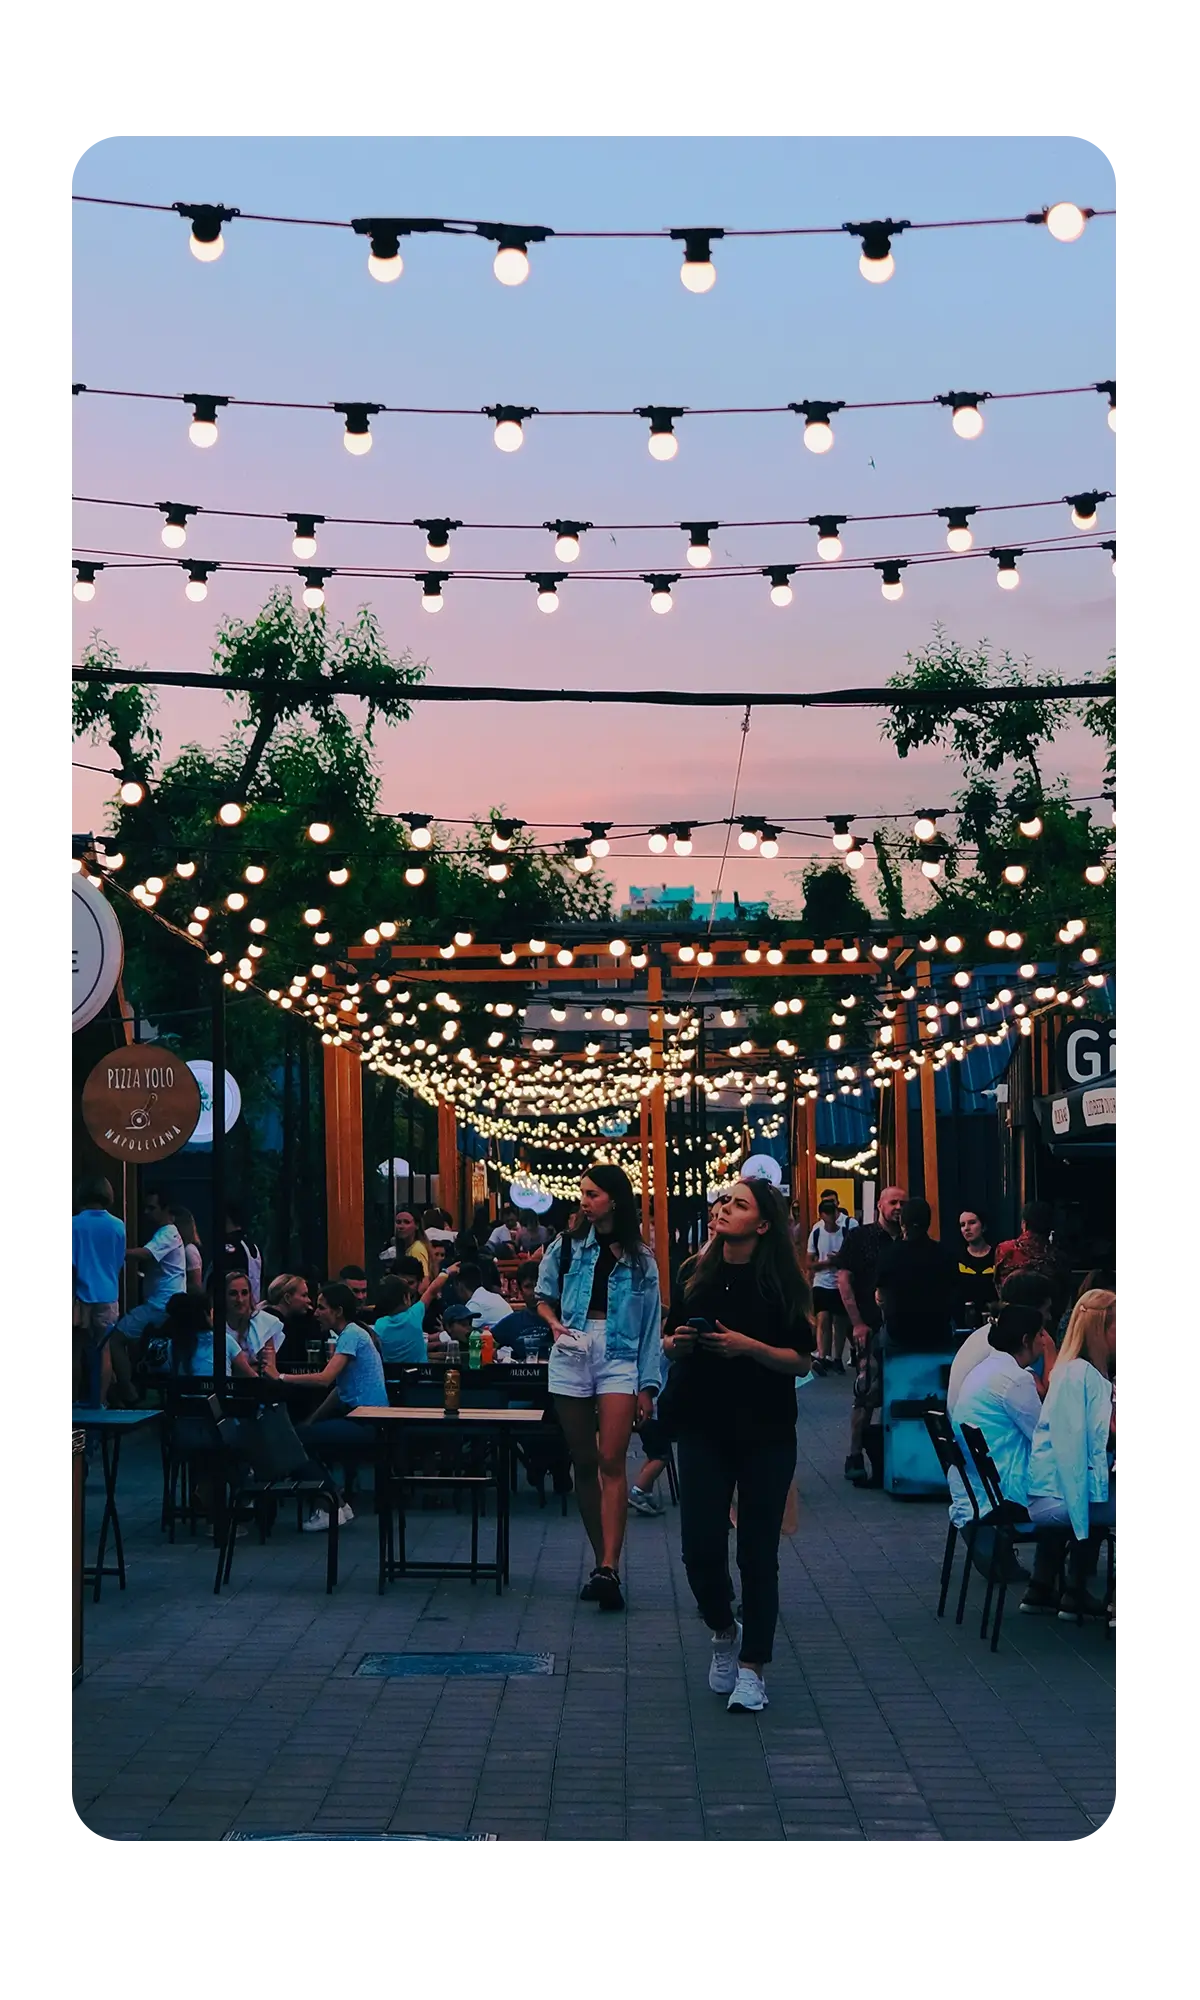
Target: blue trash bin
{"type": "Point", "coordinates": [914, 1381]}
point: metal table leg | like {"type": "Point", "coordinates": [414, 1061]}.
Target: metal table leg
{"type": "Point", "coordinates": [110, 1459]}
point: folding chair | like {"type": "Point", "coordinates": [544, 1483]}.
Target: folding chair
{"type": "Point", "coordinates": [950, 1458]}
{"type": "Point", "coordinates": [280, 1469]}
{"type": "Point", "coordinates": [1010, 1522]}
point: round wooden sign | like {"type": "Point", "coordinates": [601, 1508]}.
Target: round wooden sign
{"type": "Point", "coordinates": [141, 1103]}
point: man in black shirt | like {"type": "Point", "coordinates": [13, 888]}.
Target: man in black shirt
{"type": "Point", "coordinates": [917, 1284]}
{"type": "Point", "coordinates": [858, 1280]}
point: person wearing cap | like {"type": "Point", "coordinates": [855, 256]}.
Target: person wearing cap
{"type": "Point", "coordinates": [825, 1240]}
{"type": "Point", "coordinates": [460, 1321]}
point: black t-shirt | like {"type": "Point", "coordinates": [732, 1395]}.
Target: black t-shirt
{"type": "Point", "coordinates": [598, 1303]}
{"type": "Point", "coordinates": [976, 1279]}
{"type": "Point", "coordinates": [918, 1278]}
{"type": "Point", "coordinates": [734, 1399]}
{"type": "Point", "coordinates": [860, 1256]}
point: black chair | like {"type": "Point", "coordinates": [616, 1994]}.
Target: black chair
{"type": "Point", "coordinates": [950, 1458]}
{"type": "Point", "coordinates": [279, 1469]}
{"type": "Point", "coordinates": [1009, 1522]}
{"type": "Point", "coordinates": [192, 1446]}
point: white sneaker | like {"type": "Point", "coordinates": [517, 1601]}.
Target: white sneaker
{"type": "Point", "coordinates": [723, 1669]}
{"type": "Point", "coordinates": [345, 1514]}
{"type": "Point", "coordinates": [749, 1692]}
{"type": "Point", "coordinates": [317, 1522]}
{"type": "Point", "coordinates": [644, 1503]}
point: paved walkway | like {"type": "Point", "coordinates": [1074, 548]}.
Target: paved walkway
{"type": "Point", "coordinates": [200, 1716]}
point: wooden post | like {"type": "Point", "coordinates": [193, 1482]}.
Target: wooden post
{"type": "Point", "coordinates": [803, 1155]}
{"type": "Point", "coordinates": [929, 1146]}
{"type": "Point", "coordinates": [644, 1135]}
{"type": "Point", "coordinates": [345, 1235]}
{"type": "Point", "coordinates": [900, 1102]}
{"type": "Point", "coordinates": [658, 1125]}
{"type": "Point", "coordinates": [447, 1158]}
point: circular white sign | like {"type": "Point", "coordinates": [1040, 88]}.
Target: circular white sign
{"type": "Point", "coordinates": [202, 1071]}
{"type": "Point", "coordinates": [97, 950]}
{"type": "Point", "coordinates": [400, 1168]}
{"type": "Point", "coordinates": [761, 1167]}
{"type": "Point", "coordinates": [523, 1195]}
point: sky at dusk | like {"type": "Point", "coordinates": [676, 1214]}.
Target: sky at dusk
{"type": "Point", "coordinates": [291, 313]}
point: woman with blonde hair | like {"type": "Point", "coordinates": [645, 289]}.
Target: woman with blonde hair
{"type": "Point", "coordinates": [1069, 1484]}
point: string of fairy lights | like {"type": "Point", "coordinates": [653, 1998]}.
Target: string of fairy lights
{"type": "Point", "coordinates": [1062, 221]}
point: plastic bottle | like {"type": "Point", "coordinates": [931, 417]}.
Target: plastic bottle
{"type": "Point", "coordinates": [489, 1347]}
{"type": "Point", "coordinates": [475, 1349]}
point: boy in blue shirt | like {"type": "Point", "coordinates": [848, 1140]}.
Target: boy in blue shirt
{"type": "Point", "coordinates": [97, 1262]}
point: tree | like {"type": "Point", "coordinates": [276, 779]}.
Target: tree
{"type": "Point", "coordinates": [120, 715]}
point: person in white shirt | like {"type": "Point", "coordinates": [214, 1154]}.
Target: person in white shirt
{"type": "Point", "coordinates": [255, 1330]}
{"type": "Point", "coordinates": [1000, 1399]}
{"type": "Point", "coordinates": [162, 1260]}
{"type": "Point", "coordinates": [1024, 1288]}
{"type": "Point", "coordinates": [504, 1234]}
{"type": "Point", "coordinates": [1069, 1484]}
{"type": "Point", "coordinates": [491, 1306]}
{"type": "Point", "coordinates": [825, 1240]}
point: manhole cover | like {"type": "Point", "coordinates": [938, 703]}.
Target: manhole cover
{"type": "Point", "coordinates": [359, 1841]}
{"type": "Point", "coordinates": [409, 1665]}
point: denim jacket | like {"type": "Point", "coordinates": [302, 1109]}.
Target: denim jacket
{"type": "Point", "coordinates": [633, 1326]}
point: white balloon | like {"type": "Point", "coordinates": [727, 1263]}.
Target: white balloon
{"type": "Point", "coordinates": [761, 1167]}
{"type": "Point", "coordinates": [523, 1194]}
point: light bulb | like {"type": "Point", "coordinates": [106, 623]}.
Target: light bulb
{"type": "Point", "coordinates": [1016, 871]}
{"type": "Point", "coordinates": [1014, 941]}
{"type": "Point", "coordinates": [84, 589]}
{"type": "Point", "coordinates": [923, 827]}
{"type": "Point", "coordinates": [439, 551]}
{"type": "Point", "coordinates": [698, 275]}
{"type": "Point", "coordinates": [1065, 222]}
{"type": "Point", "coordinates": [196, 590]}
{"type": "Point", "coordinates": [967, 421]}
{"type": "Point", "coordinates": [203, 432]}
{"type": "Point", "coordinates": [414, 876]}
{"type": "Point", "coordinates": [657, 842]}
{"type": "Point", "coordinates": [892, 591]}
{"type": "Point", "coordinates": [185, 870]}
{"type": "Point", "coordinates": [132, 792]}
{"type": "Point", "coordinates": [566, 548]}
{"type": "Point", "coordinates": [699, 555]}
{"type": "Point", "coordinates": [877, 270]}
{"type": "Point", "coordinates": [829, 547]}
{"type": "Point", "coordinates": [231, 813]}
{"type": "Point", "coordinates": [511, 265]}
{"type": "Point", "coordinates": [174, 535]}
{"type": "Point", "coordinates": [1081, 518]}
{"type": "Point", "coordinates": [599, 845]}
{"type": "Point", "coordinates": [748, 839]}
{"type": "Point", "coordinates": [254, 872]}
{"type": "Point", "coordinates": [304, 545]}
{"type": "Point", "coordinates": [931, 869]}
{"type": "Point", "coordinates": [206, 253]}
{"type": "Point", "coordinates": [958, 534]}
{"type": "Point", "coordinates": [768, 847]}
{"type": "Point", "coordinates": [339, 876]}
{"type": "Point", "coordinates": [497, 871]}
{"type": "Point", "coordinates": [1095, 873]}
{"type": "Point", "coordinates": [547, 599]}
{"type": "Point", "coordinates": [1009, 577]}
{"type": "Point", "coordinates": [663, 444]}
{"type": "Point", "coordinates": [421, 836]}
{"type": "Point", "coordinates": [1030, 827]}
{"type": "Point", "coordinates": [508, 434]}
{"type": "Point", "coordinates": [818, 434]}
{"type": "Point", "coordinates": [1112, 416]}
{"type": "Point", "coordinates": [582, 863]}
{"type": "Point", "coordinates": [357, 442]}
{"type": "Point", "coordinates": [313, 596]}
{"type": "Point", "coordinates": [855, 859]}
{"type": "Point", "coordinates": [387, 268]}
{"type": "Point", "coordinates": [661, 599]}
{"type": "Point", "coordinates": [431, 601]}
{"type": "Point", "coordinates": [319, 830]}
{"type": "Point", "coordinates": [682, 843]}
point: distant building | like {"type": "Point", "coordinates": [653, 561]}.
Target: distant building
{"type": "Point", "coordinates": [660, 900]}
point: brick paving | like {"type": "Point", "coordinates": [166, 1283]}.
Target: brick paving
{"type": "Point", "coordinates": [198, 1716]}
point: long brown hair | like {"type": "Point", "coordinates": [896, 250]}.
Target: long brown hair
{"type": "Point", "coordinates": [627, 1226]}
{"type": "Point", "coordinates": [775, 1262]}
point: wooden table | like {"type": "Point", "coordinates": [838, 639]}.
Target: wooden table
{"type": "Point", "coordinates": [112, 1426]}
{"type": "Point", "coordinates": [393, 1425]}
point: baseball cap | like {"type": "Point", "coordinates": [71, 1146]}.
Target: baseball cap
{"type": "Point", "coordinates": [454, 1315]}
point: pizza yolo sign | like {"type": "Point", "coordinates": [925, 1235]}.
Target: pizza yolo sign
{"type": "Point", "coordinates": [141, 1103]}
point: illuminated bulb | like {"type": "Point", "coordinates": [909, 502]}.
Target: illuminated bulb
{"type": "Point", "coordinates": [924, 827]}
{"type": "Point", "coordinates": [357, 442]}
{"type": "Point", "coordinates": [818, 434]}
{"type": "Point", "coordinates": [185, 870]}
{"type": "Point", "coordinates": [497, 871]}
{"type": "Point", "coordinates": [313, 596]}
{"type": "Point", "coordinates": [155, 884]}
{"type": "Point", "coordinates": [1081, 516]}
{"type": "Point", "coordinates": [781, 594]}
{"type": "Point", "coordinates": [84, 587]}
{"type": "Point", "coordinates": [203, 432]}
{"type": "Point", "coordinates": [795, 1006]}
{"type": "Point", "coordinates": [1089, 954]}
{"type": "Point", "coordinates": [829, 546]}
{"type": "Point", "coordinates": [1014, 940]}
{"type": "Point", "coordinates": [660, 598]}
{"type": "Point", "coordinates": [1030, 827]}
{"type": "Point", "coordinates": [617, 948]}
{"type": "Point", "coordinates": [698, 272]}
{"type": "Point", "coordinates": [196, 589]}
{"type": "Point", "coordinates": [231, 813]}
{"type": "Point", "coordinates": [892, 586]}
{"type": "Point", "coordinates": [752, 955]}
{"type": "Point", "coordinates": [931, 868]}
{"type": "Point", "coordinates": [311, 916]}
{"type": "Point", "coordinates": [547, 598]}
{"type": "Point", "coordinates": [954, 944]}
{"type": "Point", "coordinates": [132, 792]}
{"type": "Point", "coordinates": [339, 876]}
{"type": "Point", "coordinates": [1008, 576]}
{"type": "Point", "coordinates": [769, 846]}
{"type": "Point", "coordinates": [319, 831]}
{"type": "Point", "coordinates": [663, 444]}
{"type": "Point", "coordinates": [995, 937]}
{"type": "Point", "coordinates": [564, 956]}
{"type": "Point", "coordinates": [254, 872]}
{"type": "Point", "coordinates": [421, 835]}
{"type": "Point", "coordinates": [775, 957]}
{"type": "Point", "coordinates": [967, 420]}
{"type": "Point", "coordinates": [174, 533]}
{"type": "Point", "coordinates": [1095, 873]}
{"type": "Point", "coordinates": [508, 434]}
{"type": "Point", "coordinates": [682, 841]}
{"type": "Point", "coordinates": [748, 839]}
{"type": "Point", "coordinates": [1065, 221]}
{"type": "Point", "coordinates": [855, 859]}
{"type": "Point", "coordinates": [258, 925]}
{"type": "Point", "coordinates": [566, 547]}
{"type": "Point", "coordinates": [465, 938]}
{"type": "Point", "coordinates": [511, 265]}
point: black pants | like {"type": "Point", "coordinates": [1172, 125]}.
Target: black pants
{"type": "Point", "coordinates": [709, 1469]}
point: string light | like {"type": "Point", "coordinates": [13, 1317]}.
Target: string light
{"type": "Point", "coordinates": [511, 261]}
{"type": "Point", "coordinates": [339, 874]}
{"type": "Point", "coordinates": [660, 592]}
{"type": "Point", "coordinates": [681, 838]}
{"type": "Point", "coordinates": [779, 575]}
{"type": "Point", "coordinates": [1111, 548]}
{"type": "Point", "coordinates": [437, 538]}
{"type": "Point", "coordinates": [254, 872]}
{"type": "Point", "coordinates": [699, 552]}
{"type": "Point", "coordinates": [313, 594]}
{"type": "Point", "coordinates": [497, 871]}
{"type": "Point", "coordinates": [319, 830]}
{"type": "Point", "coordinates": [1083, 509]}
{"type": "Point", "coordinates": [357, 435]}
{"type": "Point", "coordinates": [1109, 389]}
{"type": "Point", "coordinates": [419, 830]}
{"type": "Point", "coordinates": [829, 541]}
{"type": "Point", "coordinates": [818, 430]}
{"type": "Point", "coordinates": [876, 262]}
{"type": "Point", "coordinates": [206, 242]}
{"type": "Point", "coordinates": [132, 791]}
{"type": "Point", "coordinates": [656, 839]}
{"type": "Point", "coordinates": [1095, 873]}
{"type": "Point", "coordinates": [84, 586]}
{"type": "Point", "coordinates": [198, 573]}
{"type": "Point", "coordinates": [698, 273]}
{"type": "Point", "coordinates": [748, 836]}
{"type": "Point", "coordinates": [663, 442]}
{"type": "Point", "coordinates": [580, 859]}
{"type": "Point", "coordinates": [203, 428]}
{"type": "Point", "coordinates": [547, 587]}
{"type": "Point", "coordinates": [414, 876]}
{"type": "Point", "coordinates": [431, 591]}
{"type": "Point", "coordinates": [967, 418]}
{"type": "Point", "coordinates": [769, 843]}
{"type": "Point", "coordinates": [1015, 872]}
{"type": "Point", "coordinates": [1008, 576]}
{"type": "Point", "coordinates": [384, 263]}
{"type": "Point", "coordinates": [508, 419]}
{"type": "Point", "coordinates": [958, 534]}
{"type": "Point", "coordinates": [892, 586]}
{"type": "Point", "coordinates": [174, 533]}
{"type": "Point", "coordinates": [566, 538]}
{"type": "Point", "coordinates": [232, 813]}
{"type": "Point", "coordinates": [1065, 221]}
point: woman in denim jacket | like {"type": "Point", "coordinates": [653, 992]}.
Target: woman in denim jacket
{"type": "Point", "coordinates": [605, 1317]}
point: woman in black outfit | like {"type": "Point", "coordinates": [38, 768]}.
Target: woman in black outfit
{"type": "Point", "coordinates": [732, 1400]}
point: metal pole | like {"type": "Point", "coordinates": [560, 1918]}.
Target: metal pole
{"type": "Point", "coordinates": [217, 1177]}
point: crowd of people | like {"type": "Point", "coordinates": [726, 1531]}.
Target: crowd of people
{"type": "Point", "coordinates": [709, 1374]}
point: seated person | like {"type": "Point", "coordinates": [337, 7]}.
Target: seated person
{"type": "Point", "coordinates": [256, 1331]}
{"type": "Point", "coordinates": [1024, 1288]}
{"type": "Point", "coordinates": [189, 1330]}
{"type": "Point", "coordinates": [354, 1374]}
{"type": "Point", "coordinates": [353, 1276]}
{"type": "Point", "coordinates": [503, 1237]}
{"type": "Point", "coordinates": [458, 1323]}
{"type": "Point", "coordinates": [525, 1331]}
{"type": "Point", "coordinates": [162, 1260]}
{"type": "Point", "coordinates": [479, 1287]}
{"type": "Point", "coordinates": [1068, 1484]}
{"type": "Point", "coordinates": [916, 1284]}
{"type": "Point", "coordinates": [288, 1301]}
{"type": "Point", "coordinates": [1000, 1398]}
{"type": "Point", "coordinates": [400, 1320]}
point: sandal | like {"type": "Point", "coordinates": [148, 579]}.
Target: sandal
{"type": "Point", "coordinates": [591, 1589]}
{"type": "Point", "coordinates": [608, 1590]}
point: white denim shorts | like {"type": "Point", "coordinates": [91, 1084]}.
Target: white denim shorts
{"type": "Point", "coordinates": [579, 1367]}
